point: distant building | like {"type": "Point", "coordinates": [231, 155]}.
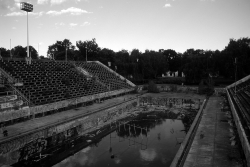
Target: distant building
{"type": "Point", "coordinates": [173, 74]}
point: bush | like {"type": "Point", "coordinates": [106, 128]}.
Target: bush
{"type": "Point", "coordinates": [135, 90]}
{"type": "Point", "coordinates": [206, 87]}
{"type": "Point", "coordinates": [152, 87]}
{"type": "Point", "coordinates": [173, 88]}
{"type": "Point", "coordinates": [201, 88]}
{"type": "Point", "coordinates": [145, 87]}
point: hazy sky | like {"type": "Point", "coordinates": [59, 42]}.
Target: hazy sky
{"type": "Point", "coordinates": [127, 24]}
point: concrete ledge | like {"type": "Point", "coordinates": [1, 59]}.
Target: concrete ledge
{"type": "Point", "coordinates": [179, 155]}
{"type": "Point", "coordinates": [7, 116]}
{"type": "Point", "coordinates": [243, 138]}
{"type": "Point", "coordinates": [34, 130]}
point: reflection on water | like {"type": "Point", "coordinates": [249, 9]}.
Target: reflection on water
{"type": "Point", "coordinates": [146, 141]}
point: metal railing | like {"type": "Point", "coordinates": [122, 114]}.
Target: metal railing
{"type": "Point", "coordinates": [10, 82]}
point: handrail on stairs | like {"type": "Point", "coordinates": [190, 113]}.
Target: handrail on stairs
{"type": "Point", "coordinates": [10, 81]}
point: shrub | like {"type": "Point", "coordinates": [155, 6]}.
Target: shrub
{"type": "Point", "coordinates": [201, 88]}
{"type": "Point", "coordinates": [145, 87]}
{"type": "Point", "coordinates": [173, 88]}
{"type": "Point", "coordinates": [206, 87]}
{"type": "Point", "coordinates": [152, 87]}
{"type": "Point", "coordinates": [135, 90]}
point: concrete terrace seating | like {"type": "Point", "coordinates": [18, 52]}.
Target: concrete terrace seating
{"type": "Point", "coordinates": [242, 100]}
{"type": "Point", "coordinates": [49, 81]}
{"type": "Point", "coordinates": [112, 81]}
{"type": "Point", "coordinates": [239, 99]}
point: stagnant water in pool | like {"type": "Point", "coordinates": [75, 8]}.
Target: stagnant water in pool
{"type": "Point", "coordinates": [146, 142]}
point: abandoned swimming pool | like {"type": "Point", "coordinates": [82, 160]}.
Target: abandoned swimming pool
{"type": "Point", "coordinates": [149, 139]}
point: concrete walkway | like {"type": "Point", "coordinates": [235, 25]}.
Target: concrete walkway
{"type": "Point", "coordinates": [211, 146]}
{"type": "Point", "coordinates": [42, 122]}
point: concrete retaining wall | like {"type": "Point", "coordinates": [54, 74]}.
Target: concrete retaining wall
{"type": "Point", "coordinates": [184, 144]}
{"type": "Point", "coordinates": [7, 116]}
{"type": "Point", "coordinates": [170, 102]}
{"type": "Point", "coordinates": [180, 88]}
{"type": "Point", "coordinates": [85, 124]}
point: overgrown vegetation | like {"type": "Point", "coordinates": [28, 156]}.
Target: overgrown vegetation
{"type": "Point", "coordinates": [206, 86]}
{"type": "Point", "coordinates": [152, 87]}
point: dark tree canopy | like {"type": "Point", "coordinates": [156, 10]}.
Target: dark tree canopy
{"type": "Point", "coordinates": [90, 48]}
{"type": "Point", "coordinates": [19, 52]}
{"type": "Point", "coordinates": [196, 64]}
{"type": "Point", "coordinates": [58, 50]}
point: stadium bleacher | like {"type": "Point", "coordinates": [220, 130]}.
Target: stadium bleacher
{"type": "Point", "coordinates": [110, 79]}
{"type": "Point", "coordinates": [47, 82]}
{"type": "Point", "coordinates": [50, 81]}
{"type": "Point", "coordinates": [240, 94]}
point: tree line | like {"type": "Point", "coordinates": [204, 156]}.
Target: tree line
{"type": "Point", "coordinates": [135, 65]}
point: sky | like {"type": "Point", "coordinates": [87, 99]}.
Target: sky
{"type": "Point", "coordinates": [126, 24]}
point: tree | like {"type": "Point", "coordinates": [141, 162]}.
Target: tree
{"type": "Point", "coordinates": [170, 56]}
{"type": "Point", "coordinates": [33, 52]}
{"type": "Point", "coordinates": [58, 50]}
{"type": "Point", "coordinates": [106, 55]}
{"type": "Point", "coordinates": [239, 49]}
{"type": "Point", "coordinates": [135, 61]}
{"type": "Point", "coordinates": [122, 60]}
{"type": "Point", "coordinates": [19, 51]}
{"type": "Point", "coordinates": [4, 52]}
{"type": "Point", "coordinates": [92, 49]}
{"type": "Point", "coordinates": [152, 87]}
{"type": "Point", "coordinates": [194, 65]}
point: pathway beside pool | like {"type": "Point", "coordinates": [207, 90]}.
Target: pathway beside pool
{"type": "Point", "coordinates": [212, 145]}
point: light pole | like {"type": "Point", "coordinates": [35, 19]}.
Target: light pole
{"type": "Point", "coordinates": [52, 56]}
{"type": "Point", "coordinates": [38, 50]}
{"type": "Point", "coordinates": [235, 75]}
{"type": "Point", "coordinates": [28, 8]}
{"type": "Point", "coordinates": [86, 54]}
{"type": "Point", "coordinates": [137, 70]}
{"type": "Point", "coordinates": [10, 50]}
{"type": "Point", "coordinates": [66, 56]}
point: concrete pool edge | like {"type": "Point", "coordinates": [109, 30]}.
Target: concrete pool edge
{"type": "Point", "coordinates": [59, 122]}
{"type": "Point", "coordinates": [183, 147]}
